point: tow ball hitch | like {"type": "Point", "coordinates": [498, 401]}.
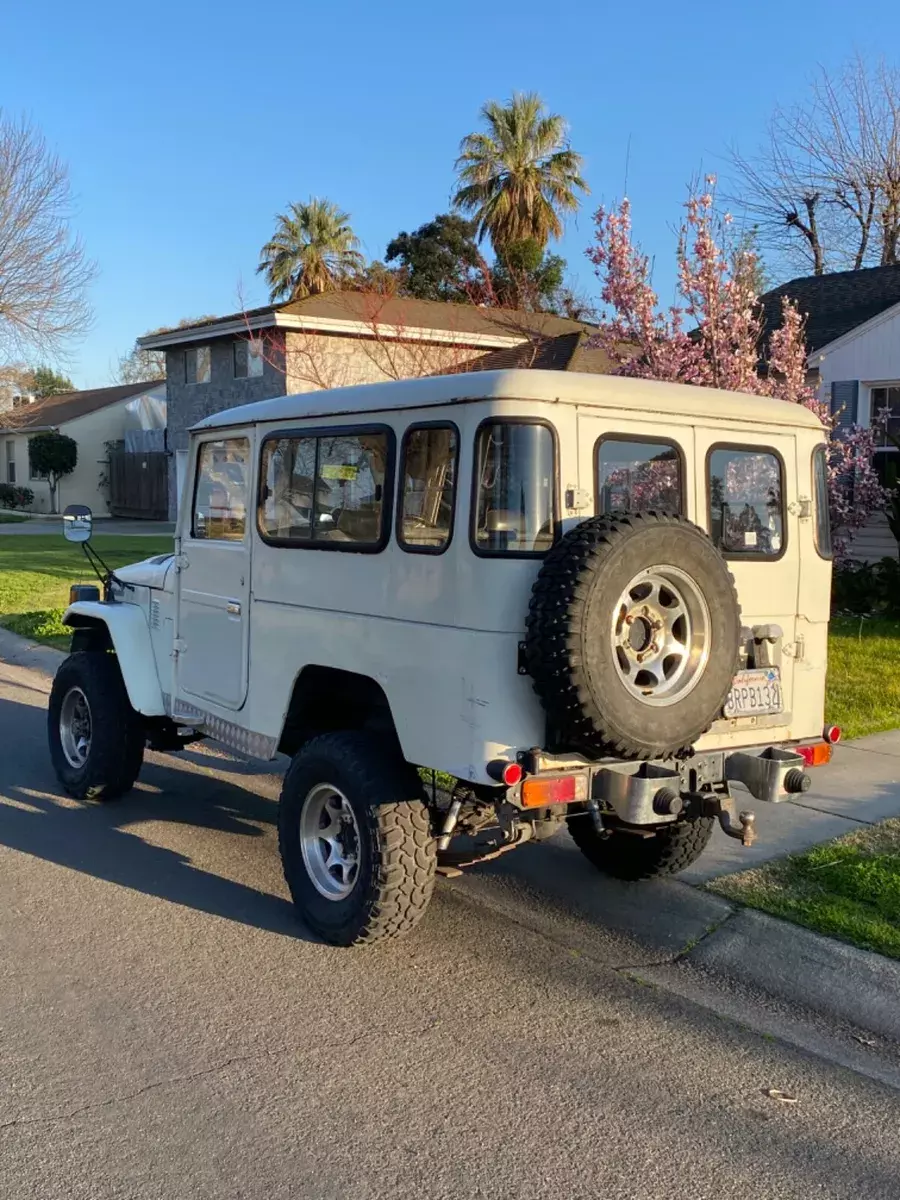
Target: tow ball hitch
{"type": "Point", "coordinates": [740, 825]}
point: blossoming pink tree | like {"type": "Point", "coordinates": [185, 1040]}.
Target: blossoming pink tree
{"type": "Point", "coordinates": [714, 338]}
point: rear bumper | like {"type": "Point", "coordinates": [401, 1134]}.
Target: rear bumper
{"type": "Point", "coordinates": [650, 793]}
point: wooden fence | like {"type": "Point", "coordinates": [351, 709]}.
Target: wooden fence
{"type": "Point", "coordinates": [139, 485]}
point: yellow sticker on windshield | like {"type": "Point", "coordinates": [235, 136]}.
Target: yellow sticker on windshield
{"type": "Point", "coordinates": [333, 472]}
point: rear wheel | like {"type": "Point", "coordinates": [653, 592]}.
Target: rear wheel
{"type": "Point", "coordinates": [356, 841]}
{"type": "Point", "coordinates": [627, 855]}
{"type": "Point", "coordinates": [96, 738]}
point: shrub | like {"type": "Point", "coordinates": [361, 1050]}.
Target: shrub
{"type": "Point", "coordinates": [867, 589]}
{"type": "Point", "coordinates": [12, 496]}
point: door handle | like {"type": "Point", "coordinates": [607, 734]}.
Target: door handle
{"type": "Point", "coordinates": [233, 608]}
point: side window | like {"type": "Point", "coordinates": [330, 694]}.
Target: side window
{"type": "Point", "coordinates": [637, 475]}
{"type": "Point", "coordinates": [515, 488]}
{"type": "Point", "coordinates": [820, 499]}
{"type": "Point", "coordinates": [746, 502]}
{"type": "Point", "coordinates": [428, 464]}
{"type": "Point", "coordinates": [326, 490]}
{"type": "Point", "coordinates": [220, 492]}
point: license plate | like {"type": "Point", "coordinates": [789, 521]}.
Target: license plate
{"type": "Point", "coordinates": [755, 693]}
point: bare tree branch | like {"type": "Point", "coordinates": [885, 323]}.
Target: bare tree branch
{"type": "Point", "coordinates": [824, 188]}
{"type": "Point", "coordinates": [44, 273]}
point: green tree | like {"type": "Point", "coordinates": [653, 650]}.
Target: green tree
{"type": "Point", "coordinates": [46, 382]}
{"type": "Point", "coordinates": [53, 455]}
{"type": "Point", "coordinates": [437, 260]}
{"type": "Point", "coordinates": [524, 276]}
{"type": "Point", "coordinates": [520, 175]}
{"type": "Point", "coordinates": [314, 250]}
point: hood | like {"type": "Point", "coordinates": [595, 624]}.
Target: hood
{"type": "Point", "coordinates": [152, 572]}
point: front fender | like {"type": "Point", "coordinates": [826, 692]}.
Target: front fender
{"type": "Point", "coordinates": [130, 636]}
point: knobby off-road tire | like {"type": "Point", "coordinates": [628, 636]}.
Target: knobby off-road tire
{"type": "Point", "coordinates": [96, 738]}
{"type": "Point", "coordinates": [379, 801]}
{"type": "Point", "coordinates": [589, 584]}
{"type": "Point", "coordinates": [629, 856]}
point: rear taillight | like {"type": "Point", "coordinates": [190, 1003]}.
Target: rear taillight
{"type": "Point", "coordinates": [832, 734]}
{"type": "Point", "coordinates": [560, 789]}
{"type": "Point", "coordinates": [815, 755]}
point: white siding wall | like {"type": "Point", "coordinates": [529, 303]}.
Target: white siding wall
{"type": "Point", "coordinates": [871, 356]}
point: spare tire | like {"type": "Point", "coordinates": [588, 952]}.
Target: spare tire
{"type": "Point", "coordinates": [633, 635]}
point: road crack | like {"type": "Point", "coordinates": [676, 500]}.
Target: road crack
{"type": "Point", "coordinates": [111, 1101]}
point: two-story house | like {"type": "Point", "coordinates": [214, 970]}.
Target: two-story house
{"type": "Point", "coordinates": [341, 338]}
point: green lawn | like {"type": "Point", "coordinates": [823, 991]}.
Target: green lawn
{"type": "Point", "coordinates": [36, 571]}
{"type": "Point", "coordinates": [863, 675]}
{"type": "Point", "coordinates": [849, 888]}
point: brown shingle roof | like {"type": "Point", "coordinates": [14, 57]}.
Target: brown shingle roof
{"type": "Point", "coordinates": [56, 410]}
{"type": "Point", "coordinates": [404, 311]}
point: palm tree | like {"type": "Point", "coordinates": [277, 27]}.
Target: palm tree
{"type": "Point", "coordinates": [519, 175]}
{"type": "Point", "coordinates": [313, 250]}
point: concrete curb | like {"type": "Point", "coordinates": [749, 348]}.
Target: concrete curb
{"type": "Point", "coordinates": [803, 969]}
{"type": "Point", "coordinates": [19, 651]}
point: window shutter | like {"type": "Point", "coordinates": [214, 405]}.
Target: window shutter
{"type": "Point", "coordinates": [845, 404]}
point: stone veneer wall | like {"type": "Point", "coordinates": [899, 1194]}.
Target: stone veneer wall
{"type": "Point", "coordinates": [188, 403]}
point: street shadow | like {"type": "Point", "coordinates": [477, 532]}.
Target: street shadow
{"type": "Point", "coordinates": [37, 819]}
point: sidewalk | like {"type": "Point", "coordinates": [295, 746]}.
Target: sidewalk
{"type": "Point", "coordinates": [47, 523]}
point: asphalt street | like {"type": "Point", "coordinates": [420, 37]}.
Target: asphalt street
{"type": "Point", "coordinates": [167, 1029]}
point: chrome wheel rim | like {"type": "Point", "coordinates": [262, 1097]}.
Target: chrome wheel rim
{"type": "Point", "coordinates": [329, 841]}
{"type": "Point", "coordinates": [660, 635]}
{"type": "Point", "coordinates": [75, 727]}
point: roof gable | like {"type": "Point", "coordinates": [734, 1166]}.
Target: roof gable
{"type": "Point", "coordinates": [834, 304]}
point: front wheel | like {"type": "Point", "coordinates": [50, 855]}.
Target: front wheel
{"type": "Point", "coordinates": [96, 737]}
{"type": "Point", "coordinates": [626, 855]}
{"type": "Point", "coordinates": [356, 841]}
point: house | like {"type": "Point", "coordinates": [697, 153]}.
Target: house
{"type": "Point", "coordinates": [342, 338]}
{"type": "Point", "coordinates": [853, 340]}
{"type": "Point", "coordinates": [93, 419]}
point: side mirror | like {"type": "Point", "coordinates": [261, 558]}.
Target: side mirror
{"type": "Point", "coordinates": [77, 523]}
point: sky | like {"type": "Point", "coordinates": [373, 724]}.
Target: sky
{"type": "Point", "coordinates": [188, 126]}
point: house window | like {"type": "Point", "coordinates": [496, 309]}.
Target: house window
{"type": "Point", "coordinates": [248, 358]}
{"type": "Point", "coordinates": [636, 475]}
{"type": "Point", "coordinates": [327, 491]}
{"type": "Point", "coordinates": [746, 502]}
{"type": "Point", "coordinates": [197, 365]}
{"type": "Point", "coordinates": [428, 482]}
{"type": "Point", "coordinates": [515, 488]}
{"type": "Point", "coordinates": [11, 462]}
{"type": "Point", "coordinates": [885, 415]}
{"type": "Point", "coordinates": [220, 493]}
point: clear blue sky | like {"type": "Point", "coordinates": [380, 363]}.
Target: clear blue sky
{"type": "Point", "coordinates": [187, 126]}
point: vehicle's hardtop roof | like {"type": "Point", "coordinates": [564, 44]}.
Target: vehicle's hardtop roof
{"type": "Point", "coordinates": [643, 396]}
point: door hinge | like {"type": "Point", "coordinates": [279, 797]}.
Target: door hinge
{"type": "Point", "coordinates": [577, 499]}
{"type": "Point", "coordinates": [179, 646]}
{"type": "Point", "coordinates": [801, 508]}
{"type": "Point", "coordinates": [522, 661]}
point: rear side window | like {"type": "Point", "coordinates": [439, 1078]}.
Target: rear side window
{"type": "Point", "coordinates": [428, 464]}
{"type": "Point", "coordinates": [326, 490]}
{"type": "Point", "coordinates": [820, 499]}
{"type": "Point", "coordinates": [515, 487]}
{"type": "Point", "coordinates": [746, 501]}
{"type": "Point", "coordinates": [636, 475]}
{"type": "Point", "coordinates": [220, 493]}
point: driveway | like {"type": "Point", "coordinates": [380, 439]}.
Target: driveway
{"type": "Point", "coordinates": [167, 1029]}
{"type": "Point", "coordinates": [102, 525]}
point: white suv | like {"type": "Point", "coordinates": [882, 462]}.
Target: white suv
{"type": "Point", "coordinates": [573, 598]}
